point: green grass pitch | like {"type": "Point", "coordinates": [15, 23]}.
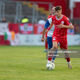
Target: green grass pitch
{"type": "Point", "coordinates": [28, 63]}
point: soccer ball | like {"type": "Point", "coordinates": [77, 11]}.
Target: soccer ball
{"type": "Point", "coordinates": [50, 66]}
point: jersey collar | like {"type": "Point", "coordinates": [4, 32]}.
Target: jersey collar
{"type": "Point", "coordinates": [59, 18]}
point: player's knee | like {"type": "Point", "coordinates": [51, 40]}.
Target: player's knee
{"type": "Point", "coordinates": [55, 47]}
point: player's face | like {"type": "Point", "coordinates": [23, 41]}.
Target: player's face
{"type": "Point", "coordinates": [58, 13]}
{"type": "Point", "coordinates": [53, 10]}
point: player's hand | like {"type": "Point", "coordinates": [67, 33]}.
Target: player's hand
{"type": "Point", "coordinates": [42, 39]}
{"type": "Point", "coordinates": [60, 26]}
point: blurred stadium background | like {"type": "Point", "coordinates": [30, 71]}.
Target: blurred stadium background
{"type": "Point", "coordinates": [13, 13]}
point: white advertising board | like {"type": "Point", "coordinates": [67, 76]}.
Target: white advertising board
{"type": "Point", "coordinates": [31, 40]}
{"type": "Point", "coordinates": [3, 27]}
{"type": "Point", "coordinates": [36, 40]}
{"type": "Point", "coordinates": [73, 39]}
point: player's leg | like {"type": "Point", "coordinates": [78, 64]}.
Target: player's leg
{"type": "Point", "coordinates": [49, 41]}
{"type": "Point", "coordinates": [63, 46]}
{"type": "Point", "coordinates": [52, 48]}
{"type": "Point", "coordinates": [46, 45]}
{"type": "Point", "coordinates": [55, 47]}
{"type": "Point", "coordinates": [49, 55]}
{"type": "Point", "coordinates": [52, 56]}
{"type": "Point", "coordinates": [67, 57]}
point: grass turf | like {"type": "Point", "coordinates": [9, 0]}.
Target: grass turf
{"type": "Point", "coordinates": [28, 63]}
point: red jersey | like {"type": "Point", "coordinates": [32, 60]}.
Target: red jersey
{"type": "Point", "coordinates": [60, 32]}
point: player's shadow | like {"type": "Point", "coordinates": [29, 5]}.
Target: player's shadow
{"type": "Point", "coordinates": [44, 69]}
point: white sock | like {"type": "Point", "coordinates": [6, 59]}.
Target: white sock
{"type": "Point", "coordinates": [69, 62]}
{"type": "Point", "coordinates": [48, 61]}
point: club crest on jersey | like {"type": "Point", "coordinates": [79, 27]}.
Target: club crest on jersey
{"type": "Point", "coordinates": [62, 22]}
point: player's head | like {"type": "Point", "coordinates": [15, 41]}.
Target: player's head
{"type": "Point", "coordinates": [52, 11]}
{"type": "Point", "coordinates": [58, 11]}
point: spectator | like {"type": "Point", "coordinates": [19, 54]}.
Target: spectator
{"type": "Point", "coordinates": [25, 20]}
{"type": "Point", "coordinates": [4, 20]}
{"type": "Point", "coordinates": [42, 21]}
{"type": "Point", "coordinates": [77, 29]}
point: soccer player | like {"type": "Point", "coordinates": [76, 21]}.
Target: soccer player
{"type": "Point", "coordinates": [61, 23]}
{"type": "Point", "coordinates": [48, 33]}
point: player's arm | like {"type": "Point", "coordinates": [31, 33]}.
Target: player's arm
{"type": "Point", "coordinates": [67, 24]}
{"type": "Point", "coordinates": [43, 33]}
{"type": "Point", "coordinates": [47, 24]}
{"type": "Point", "coordinates": [69, 27]}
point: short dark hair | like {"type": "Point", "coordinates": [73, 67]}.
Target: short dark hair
{"type": "Point", "coordinates": [58, 8]}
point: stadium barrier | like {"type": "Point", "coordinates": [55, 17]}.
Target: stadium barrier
{"type": "Point", "coordinates": [36, 40]}
{"type": "Point", "coordinates": [28, 34]}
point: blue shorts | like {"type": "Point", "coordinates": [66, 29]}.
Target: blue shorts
{"type": "Point", "coordinates": [49, 41]}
